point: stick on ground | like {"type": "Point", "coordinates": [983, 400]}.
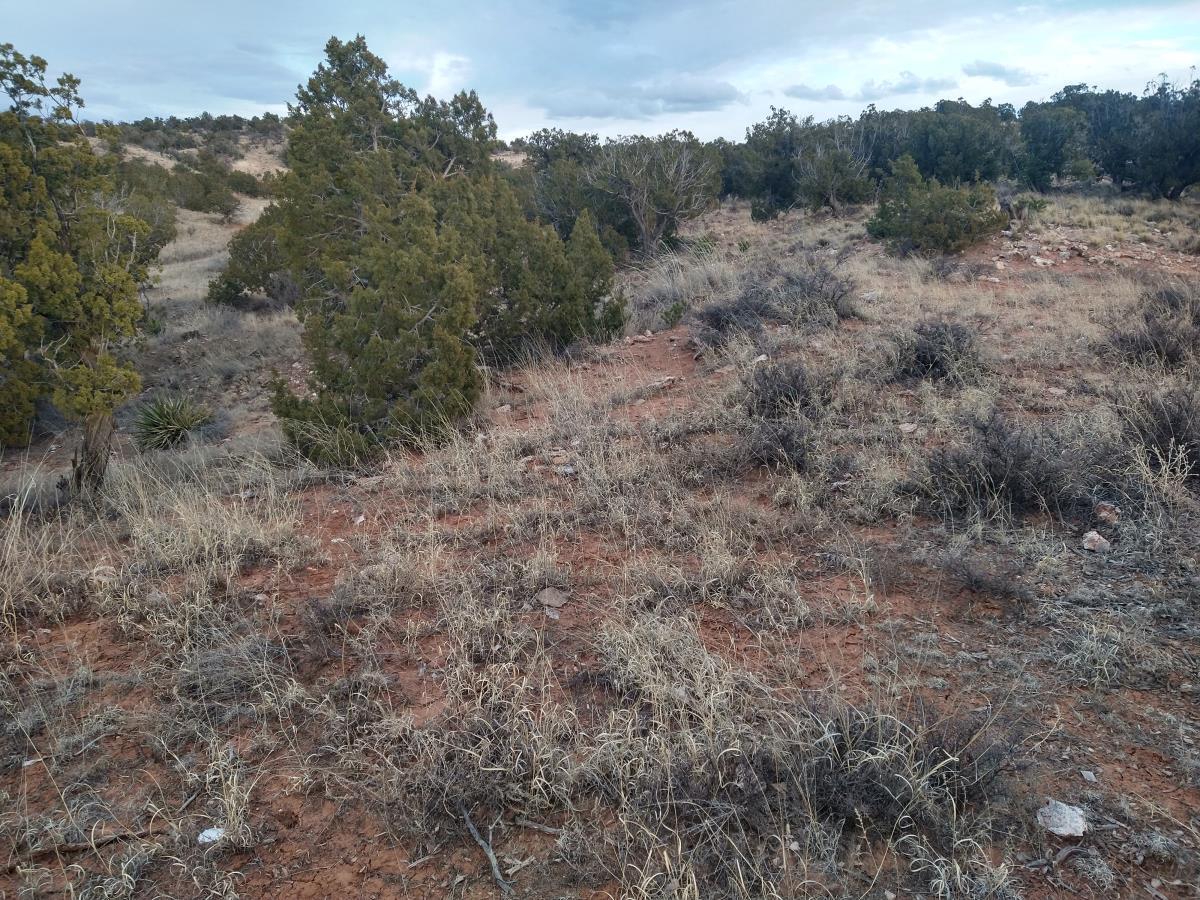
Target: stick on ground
{"type": "Point", "coordinates": [504, 886]}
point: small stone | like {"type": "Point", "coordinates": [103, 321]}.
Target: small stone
{"type": "Point", "coordinates": [762, 357]}
{"type": "Point", "coordinates": [551, 597]}
{"type": "Point", "coordinates": [565, 471]}
{"type": "Point", "coordinates": [1042, 261]}
{"type": "Point", "coordinates": [908, 427]}
{"type": "Point", "coordinates": [1062, 819]}
{"type": "Point", "coordinates": [1089, 777]}
{"type": "Point", "coordinates": [211, 835]}
{"type": "Point", "coordinates": [1096, 542]}
{"type": "Point", "coordinates": [1056, 392]}
{"type": "Point", "coordinates": [1108, 513]}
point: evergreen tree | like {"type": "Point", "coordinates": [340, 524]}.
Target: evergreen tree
{"type": "Point", "coordinates": [412, 255]}
{"type": "Point", "coordinates": [71, 260]}
{"type": "Point", "coordinates": [922, 214]}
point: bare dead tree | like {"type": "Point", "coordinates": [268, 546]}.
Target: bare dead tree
{"type": "Point", "coordinates": [662, 181]}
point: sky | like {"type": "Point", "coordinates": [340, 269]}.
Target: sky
{"type": "Point", "coordinates": [619, 67]}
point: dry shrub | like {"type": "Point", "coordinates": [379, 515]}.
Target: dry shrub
{"type": "Point", "coordinates": [1166, 331]}
{"type": "Point", "coordinates": [937, 351]}
{"type": "Point", "coordinates": [1000, 471]}
{"type": "Point", "coordinates": [777, 389]}
{"type": "Point", "coordinates": [1165, 425]}
{"type": "Point", "coordinates": [806, 290]}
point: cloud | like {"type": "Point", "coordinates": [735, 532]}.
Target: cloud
{"type": "Point", "coordinates": [619, 60]}
{"type": "Point", "coordinates": [448, 74]}
{"type": "Point", "coordinates": [685, 93]}
{"type": "Point", "coordinates": [1010, 75]}
{"type": "Point", "coordinates": [805, 92]}
{"type": "Point", "coordinates": [907, 83]}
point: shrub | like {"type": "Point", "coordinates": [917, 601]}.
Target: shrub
{"type": "Point", "coordinates": [774, 390]}
{"type": "Point", "coordinates": [1167, 425]}
{"type": "Point", "coordinates": [779, 443]}
{"type": "Point", "coordinates": [936, 351]}
{"type": "Point", "coordinates": [1167, 331]}
{"type": "Point", "coordinates": [167, 422]}
{"type": "Point", "coordinates": [918, 214]}
{"type": "Point", "coordinates": [226, 291]}
{"type": "Point", "coordinates": [810, 290]}
{"type": "Point", "coordinates": [717, 322]}
{"type": "Point", "coordinates": [1002, 470]}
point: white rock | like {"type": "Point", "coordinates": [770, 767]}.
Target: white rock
{"type": "Point", "coordinates": [1096, 542]}
{"type": "Point", "coordinates": [1062, 819]}
{"type": "Point", "coordinates": [551, 597]}
{"type": "Point", "coordinates": [908, 427]}
{"type": "Point", "coordinates": [1088, 776]}
{"type": "Point", "coordinates": [211, 835]}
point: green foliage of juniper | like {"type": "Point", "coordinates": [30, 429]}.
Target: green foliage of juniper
{"type": "Point", "coordinates": [412, 257]}
{"type": "Point", "coordinates": [923, 215]}
{"type": "Point", "coordinates": [71, 258]}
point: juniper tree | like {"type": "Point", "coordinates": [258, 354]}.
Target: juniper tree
{"type": "Point", "coordinates": [411, 255]}
{"type": "Point", "coordinates": [71, 260]}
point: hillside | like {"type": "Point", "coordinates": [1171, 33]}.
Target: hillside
{"type": "Point", "coordinates": [737, 606]}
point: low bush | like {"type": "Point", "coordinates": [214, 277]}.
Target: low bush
{"type": "Point", "coordinates": [1000, 471]}
{"type": "Point", "coordinates": [938, 351]}
{"type": "Point", "coordinates": [779, 443]}
{"type": "Point", "coordinates": [1166, 425]}
{"type": "Point", "coordinates": [1167, 329]}
{"type": "Point", "coordinates": [810, 290]}
{"type": "Point", "coordinates": [774, 390]}
{"type": "Point", "coordinates": [167, 422]}
{"type": "Point", "coordinates": [922, 215]}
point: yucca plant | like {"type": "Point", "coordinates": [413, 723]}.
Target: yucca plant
{"type": "Point", "coordinates": [165, 422]}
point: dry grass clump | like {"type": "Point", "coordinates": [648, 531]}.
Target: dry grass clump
{"type": "Point", "coordinates": [667, 286]}
{"type": "Point", "coordinates": [692, 768]}
{"type": "Point", "coordinates": [1111, 219]}
{"type": "Point", "coordinates": [1167, 330]}
{"type": "Point", "coordinates": [937, 351]}
{"type": "Point", "coordinates": [1112, 649]}
{"type": "Point", "coordinates": [757, 794]}
{"type": "Point", "coordinates": [215, 520]}
{"type": "Point", "coordinates": [803, 290]}
{"type": "Point", "coordinates": [43, 561]}
{"type": "Point", "coordinates": [999, 471]}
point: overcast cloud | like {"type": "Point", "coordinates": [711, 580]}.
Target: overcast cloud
{"type": "Point", "coordinates": [714, 66]}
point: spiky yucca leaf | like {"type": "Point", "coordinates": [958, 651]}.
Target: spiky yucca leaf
{"type": "Point", "coordinates": [165, 422]}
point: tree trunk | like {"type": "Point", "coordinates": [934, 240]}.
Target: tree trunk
{"type": "Point", "coordinates": [91, 459]}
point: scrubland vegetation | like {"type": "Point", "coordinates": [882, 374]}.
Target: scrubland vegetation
{"type": "Point", "coordinates": [648, 518]}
